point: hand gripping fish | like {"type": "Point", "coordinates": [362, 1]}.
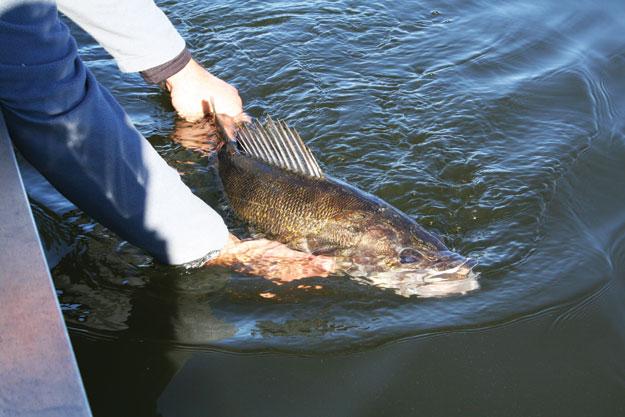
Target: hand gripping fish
{"type": "Point", "coordinates": [274, 183]}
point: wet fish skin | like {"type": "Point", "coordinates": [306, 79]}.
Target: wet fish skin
{"type": "Point", "coordinates": [327, 216]}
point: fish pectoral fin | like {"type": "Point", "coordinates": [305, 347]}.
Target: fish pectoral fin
{"type": "Point", "coordinates": [313, 246]}
{"type": "Point", "coordinates": [319, 246]}
{"type": "Point", "coordinates": [326, 251]}
{"type": "Point", "coordinates": [275, 143]}
{"type": "Point", "coordinates": [300, 244]}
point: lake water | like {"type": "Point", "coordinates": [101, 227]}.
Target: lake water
{"type": "Point", "coordinates": [498, 125]}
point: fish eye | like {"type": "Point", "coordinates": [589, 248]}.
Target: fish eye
{"type": "Point", "coordinates": [409, 256]}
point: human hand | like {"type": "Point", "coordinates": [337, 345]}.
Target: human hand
{"type": "Point", "coordinates": [195, 93]}
{"type": "Point", "coordinates": [272, 260]}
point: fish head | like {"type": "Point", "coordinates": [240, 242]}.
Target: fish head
{"type": "Point", "coordinates": [414, 266]}
{"type": "Point", "coordinates": [394, 245]}
{"type": "Point", "coordinates": [395, 252]}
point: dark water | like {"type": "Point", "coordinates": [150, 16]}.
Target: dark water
{"type": "Point", "coordinates": [498, 125]}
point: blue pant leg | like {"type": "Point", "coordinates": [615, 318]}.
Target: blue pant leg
{"type": "Point", "coordinates": [75, 133]}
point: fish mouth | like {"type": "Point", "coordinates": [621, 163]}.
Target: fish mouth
{"type": "Point", "coordinates": [458, 269]}
{"type": "Point", "coordinates": [450, 265]}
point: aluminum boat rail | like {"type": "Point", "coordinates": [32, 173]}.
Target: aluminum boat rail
{"type": "Point", "coordinates": [38, 371]}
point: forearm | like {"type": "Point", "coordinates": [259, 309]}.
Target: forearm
{"type": "Point", "coordinates": [141, 38]}
{"type": "Point", "coordinates": [135, 32]}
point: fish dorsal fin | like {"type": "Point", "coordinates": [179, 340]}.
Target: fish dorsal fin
{"type": "Point", "coordinates": [277, 144]}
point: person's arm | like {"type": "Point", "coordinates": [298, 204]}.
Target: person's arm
{"type": "Point", "coordinates": [136, 33]}
{"type": "Point", "coordinates": [75, 133]}
{"type": "Point", "coordinates": [142, 39]}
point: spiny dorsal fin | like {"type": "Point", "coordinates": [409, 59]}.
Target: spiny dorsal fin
{"type": "Point", "coordinates": [277, 144]}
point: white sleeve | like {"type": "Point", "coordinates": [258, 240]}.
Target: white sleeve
{"type": "Point", "coordinates": [135, 32]}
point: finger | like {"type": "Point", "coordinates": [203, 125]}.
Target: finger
{"type": "Point", "coordinates": [208, 106]}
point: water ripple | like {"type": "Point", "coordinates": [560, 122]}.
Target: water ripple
{"type": "Point", "coordinates": [497, 125]}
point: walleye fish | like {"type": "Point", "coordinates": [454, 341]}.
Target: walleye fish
{"type": "Point", "coordinates": [273, 182]}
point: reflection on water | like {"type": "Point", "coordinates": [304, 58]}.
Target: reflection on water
{"type": "Point", "coordinates": [498, 126]}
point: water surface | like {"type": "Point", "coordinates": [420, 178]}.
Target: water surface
{"type": "Point", "coordinates": [497, 125]}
